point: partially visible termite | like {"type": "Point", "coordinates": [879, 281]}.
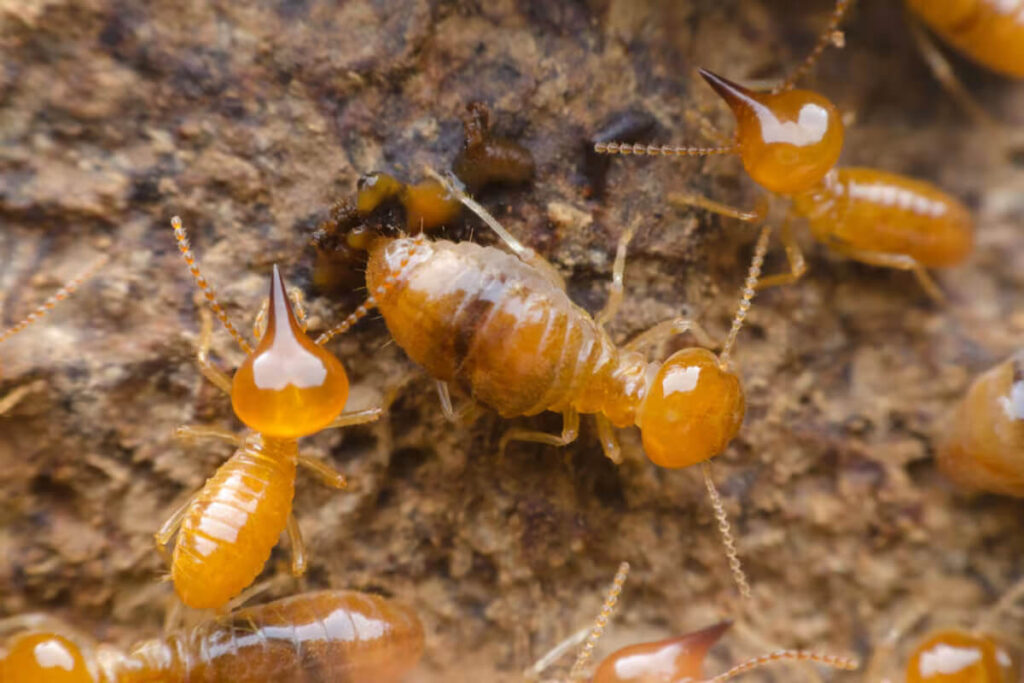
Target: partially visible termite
{"type": "Point", "coordinates": [502, 328]}
{"type": "Point", "coordinates": [789, 141]}
{"type": "Point", "coordinates": [981, 447]}
{"type": "Point", "coordinates": [9, 401]}
{"type": "Point", "coordinates": [324, 636]}
{"type": "Point", "coordinates": [674, 660]}
{"type": "Point", "coordinates": [488, 159]}
{"type": "Point", "coordinates": [286, 388]}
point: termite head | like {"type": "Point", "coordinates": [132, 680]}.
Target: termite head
{"type": "Point", "coordinates": [288, 386]}
{"type": "Point", "coordinates": [427, 205]}
{"type": "Point", "coordinates": [691, 411]}
{"type": "Point", "coordinates": [788, 141]}
{"type": "Point", "coordinates": [37, 657]}
{"type": "Point", "coordinates": [956, 655]}
{"type": "Point", "coordinates": [674, 659]}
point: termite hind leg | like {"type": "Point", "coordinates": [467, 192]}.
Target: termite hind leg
{"type": "Point", "coordinates": [298, 547]}
{"type": "Point", "coordinates": [570, 429]}
{"type": "Point", "coordinates": [170, 527]}
{"type": "Point", "coordinates": [794, 255]}
{"type": "Point", "coordinates": [618, 274]}
{"type": "Point", "coordinates": [667, 329]}
{"type": "Point", "coordinates": [609, 441]}
{"type": "Point", "coordinates": [210, 371]}
{"type": "Point", "coordinates": [901, 262]}
{"type": "Point", "coordinates": [324, 472]}
{"type": "Point", "coordinates": [191, 433]}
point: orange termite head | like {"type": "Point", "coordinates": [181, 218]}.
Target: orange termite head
{"type": "Point", "coordinates": [35, 657]}
{"type": "Point", "coordinates": [957, 656]}
{"type": "Point", "coordinates": [789, 140]}
{"type": "Point", "coordinates": [692, 409]}
{"type": "Point", "coordinates": [664, 661]}
{"type": "Point", "coordinates": [288, 386]}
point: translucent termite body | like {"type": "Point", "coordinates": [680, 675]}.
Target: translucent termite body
{"type": "Point", "coordinates": [961, 656]}
{"type": "Point", "coordinates": [982, 446]}
{"type": "Point", "coordinates": [342, 636]}
{"type": "Point", "coordinates": [991, 32]}
{"type": "Point", "coordinates": [789, 142]}
{"type": "Point", "coordinates": [286, 388]}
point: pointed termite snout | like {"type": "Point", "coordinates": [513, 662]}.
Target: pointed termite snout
{"type": "Point", "coordinates": [733, 93]}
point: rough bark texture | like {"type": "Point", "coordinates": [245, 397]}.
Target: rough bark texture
{"type": "Point", "coordinates": [249, 119]}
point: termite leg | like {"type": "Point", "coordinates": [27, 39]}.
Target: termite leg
{"type": "Point", "coordinates": [298, 547]}
{"type": "Point", "coordinates": [570, 429]}
{"type": "Point", "coordinates": [465, 413]}
{"type": "Point", "coordinates": [900, 261]}
{"type": "Point", "coordinates": [618, 273]}
{"type": "Point", "coordinates": [190, 433]}
{"type": "Point", "coordinates": [170, 527]}
{"type": "Point", "coordinates": [299, 304]}
{"type": "Point", "coordinates": [609, 442]}
{"type": "Point", "coordinates": [944, 74]}
{"type": "Point", "coordinates": [210, 371]}
{"type": "Point", "coordinates": [14, 397]}
{"type": "Point", "coordinates": [259, 323]}
{"type": "Point", "coordinates": [34, 621]}
{"type": "Point", "coordinates": [667, 329]}
{"type": "Point", "coordinates": [991, 617]}
{"type": "Point", "coordinates": [356, 417]}
{"type": "Point", "coordinates": [884, 653]}
{"type": "Point", "coordinates": [756, 216]}
{"type": "Point", "coordinates": [324, 472]}
{"type": "Point", "coordinates": [797, 264]}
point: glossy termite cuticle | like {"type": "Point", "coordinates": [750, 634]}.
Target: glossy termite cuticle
{"type": "Point", "coordinates": [286, 388]}
{"type": "Point", "coordinates": [671, 660]}
{"type": "Point", "coordinates": [325, 635]}
{"type": "Point", "coordinates": [789, 142]}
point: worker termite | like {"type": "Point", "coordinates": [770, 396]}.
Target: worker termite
{"type": "Point", "coordinates": [287, 387]}
{"type": "Point", "coordinates": [327, 635]}
{"type": "Point", "coordinates": [12, 398]}
{"type": "Point", "coordinates": [981, 446]}
{"type": "Point", "coordinates": [502, 328]}
{"type": "Point", "coordinates": [664, 661]}
{"type": "Point", "coordinates": [991, 32]}
{"type": "Point", "coordinates": [789, 142]}
{"type": "Point", "coordinates": [487, 159]}
{"type": "Point", "coordinates": [977, 654]}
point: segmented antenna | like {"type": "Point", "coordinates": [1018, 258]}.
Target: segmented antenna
{"type": "Point", "coordinates": [830, 36]}
{"type": "Point", "coordinates": [726, 532]}
{"type": "Point", "coordinates": [610, 601]}
{"type": "Point", "coordinates": [371, 300]}
{"type": "Point", "coordinates": [748, 295]}
{"type": "Point", "coordinates": [834, 661]}
{"type": "Point", "coordinates": [204, 286]}
{"type": "Point", "coordinates": [637, 149]}
{"type": "Point", "coordinates": [64, 292]}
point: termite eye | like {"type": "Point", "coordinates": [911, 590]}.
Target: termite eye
{"type": "Point", "coordinates": [44, 657]}
{"type": "Point", "coordinates": [788, 141]}
{"type": "Point", "coordinates": [692, 410]}
{"type": "Point", "coordinates": [955, 655]}
{"type": "Point", "coordinates": [288, 386]}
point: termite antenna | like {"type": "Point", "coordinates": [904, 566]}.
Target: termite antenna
{"type": "Point", "coordinates": [830, 36]}
{"type": "Point", "coordinates": [64, 292]}
{"type": "Point", "coordinates": [735, 566]}
{"type": "Point", "coordinates": [834, 661]}
{"type": "Point", "coordinates": [371, 299]}
{"type": "Point", "coordinates": [749, 288]}
{"type": "Point", "coordinates": [204, 286]}
{"type": "Point", "coordinates": [626, 149]}
{"type": "Point", "coordinates": [607, 610]}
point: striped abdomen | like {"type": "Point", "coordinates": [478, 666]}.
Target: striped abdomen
{"type": "Point", "coordinates": [989, 31]}
{"type": "Point", "coordinates": [874, 211]}
{"type": "Point", "coordinates": [337, 636]}
{"type": "Point", "coordinates": [235, 521]}
{"type": "Point", "coordinates": [483, 319]}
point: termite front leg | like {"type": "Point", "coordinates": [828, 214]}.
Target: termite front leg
{"type": "Point", "coordinates": [609, 441]}
{"type": "Point", "coordinates": [356, 417]}
{"type": "Point", "coordinates": [570, 430]}
{"type": "Point", "coordinates": [663, 331]}
{"type": "Point", "coordinates": [192, 433]}
{"type": "Point", "coordinates": [298, 547]}
{"type": "Point", "coordinates": [755, 217]}
{"type": "Point", "coordinates": [611, 308]}
{"type": "Point", "coordinates": [900, 261]}
{"type": "Point", "coordinates": [797, 263]}
{"type": "Point", "coordinates": [210, 371]}
{"type": "Point", "coordinates": [327, 475]}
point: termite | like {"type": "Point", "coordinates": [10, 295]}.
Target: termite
{"type": "Point", "coordinates": [981, 446]}
{"type": "Point", "coordinates": [286, 388]}
{"type": "Point", "coordinates": [672, 660]}
{"type": "Point", "coordinates": [991, 32]}
{"type": "Point", "coordinates": [11, 399]}
{"type": "Point", "coordinates": [789, 142]}
{"type": "Point", "coordinates": [487, 159]}
{"type": "Point", "coordinates": [324, 636]}
{"type": "Point", "coordinates": [502, 327]}
{"type": "Point", "coordinates": [976, 654]}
